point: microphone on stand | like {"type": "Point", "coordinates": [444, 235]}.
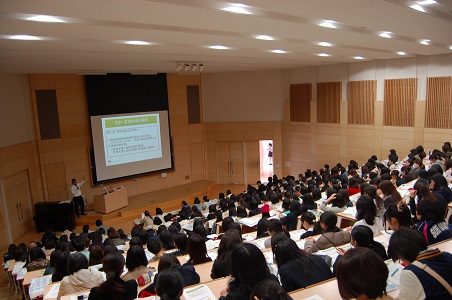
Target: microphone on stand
{"type": "Point", "coordinates": [104, 189]}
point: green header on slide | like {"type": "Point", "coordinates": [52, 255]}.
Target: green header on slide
{"type": "Point", "coordinates": [132, 121]}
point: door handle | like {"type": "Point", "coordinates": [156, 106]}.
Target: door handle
{"type": "Point", "coordinates": [17, 209]}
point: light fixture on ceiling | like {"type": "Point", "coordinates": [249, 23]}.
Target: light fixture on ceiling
{"type": "Point", "coordinates": [358, 57]}
{"type": "Point", "coordinates": [237, 8]}
{"type": "Point", "coordinates": [426, 2]}
{"type": "Point", "coordinates": [324, 44]}
{"type": "Point", "coordinates": [328, 24]}
{"type": "Point", "coordinates": [44, 18]}
{"type": "Point", "coordinates": [189, 66]}
{"type": "Point", "coordinates": [138, 43]}
{"type": "Point", "coordinates": [264, 37]}
{"type": "Point", "coordinates": [450, 47]}
{"type": "Point", "coordinates": [323, 54]}
{"type": "Point", "coordinates": [417, 7]}
{"type": "Point", "coordinates": [25, 37]}
{"type": "Point", "coordinates": [386, 34]}
{"type": "Point", "coordinates": [218, 47]}
{"type": "Point", "coordinates": [179, 66]}
{"type": "Point", "coordinates": [401, 53]}
{"type": "Point", "coordinates": [278, 51]}
{"type": "Point", "coordinates": [425, 42]}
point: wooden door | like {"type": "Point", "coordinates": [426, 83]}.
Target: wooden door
{"type": "Point", "coordinates": [236, 166]}
{"type": "Point", "coordinates": [24, 200]}
{"type": "Point", "coordinates": [15, 223]}
{"type": "Point", "coordinates": [223, 162]}
{"type": "Point", "coordinates": [252, 162]}
{"type": "Point", "coordinates": [4, 242]}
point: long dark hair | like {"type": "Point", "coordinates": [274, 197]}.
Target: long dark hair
{"type": "Point", "coordinates": [269, 290]}
{"type": "Point", "coordinates": [197, 250]}
{"type": "Point", "coordinates": [228, 242]}
{"type": "Point", "coordinates": [287, 250]}
{"type": "Point", "coordinates": [366, 209]}
{"type": "Point", "coordinates": [61, 266]}
{"type": "Point", "coordinates": [402, 214]}
{"type": "Point", "coordinates": [113, 266]}
{"type": "Point", "coordinates": [169, 285]}
{"type": "Point", "coordinates": [364, 237]}
{"type": "Point", "coordinates": [248, 267]}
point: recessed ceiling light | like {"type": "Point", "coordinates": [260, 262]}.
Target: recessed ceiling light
{"type": "Point", "coordinates": [43, 18]}
{"type": "Point", "coordinates": [358, 57]}
{"type": "Point", "coordinates": [328, 24]}
{"type": "Point", "coordinates": [237, 8]}
{"type": "Point", "coordinates": [264, 37]}
{"type": "Point", "coordinates": [24, 37]}
{"type": "Point", "coordinates": [417, 7]}
{"type": "Point", "coordinates": [138, 43]}
{"type": "Point", "coordinates": [278, 51]}
{"type": "Point", "coordinates": [401, 53]}
{"type": "Point", "coordinates": [325, 44]}
{"type": "Point", "coordinates": [323, 54]}
{"type": "Point", "coordinates": [218, 47]}
{"type": "Point", "coordinates": [450, 47]}
{"type": "Point", "coordinates": [425, 42]}
{"type": "Point", "coordinates": [426, 2]}
{"type": "Point", "coordinates": [386, 34]}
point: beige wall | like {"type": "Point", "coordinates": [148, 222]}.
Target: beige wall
{"type": "Point", "coordinates": [67, 157]}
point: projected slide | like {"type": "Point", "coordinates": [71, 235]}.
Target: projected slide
{"type": "Point", "coordinates": [131, 138]}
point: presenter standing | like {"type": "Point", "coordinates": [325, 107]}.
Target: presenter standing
{"type": "Point", "coordinates": [77, 196]}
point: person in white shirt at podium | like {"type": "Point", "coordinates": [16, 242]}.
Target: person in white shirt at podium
{"type": "Point", "coordinates": [77, 197]}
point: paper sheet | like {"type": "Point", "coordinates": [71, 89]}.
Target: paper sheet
{"type": "Point", "coordinates": [315, 297]}
{"type": "Point", "coordinates": [200, 292]}
{"type": "Point", "coordinates": [53, 292]}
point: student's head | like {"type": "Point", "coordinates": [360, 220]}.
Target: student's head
{"type": "Point", "coordinates": [136, 258]}
{"type": "Point", "coordinates": [287, 250]}
{"type": "Point", "coordinates": [361, 236]}
{"type": "Point", "coordinates": [76, 262]}
{"type": "Point", "coordinates": [261, 227]}
{"type": "Point", "coordinates": [36, 253]}
{"type": "Point", "coordinates": [307, 220]}
{"type": "Point", "coordinates": [295, 207]}
{"type": "Point", "coordinates": [328, 221]}
{"type": "Point", "coordinates": [248, 266]}
{"type": "Point", "coordinates": [169, 285]}
{"type": "Point", "coordinates": [96, 255]}
{"type": "Point", "coordinates": [269, 290]}
{"type": "Point", "coordinates": [226, 222]}
{"type": "Point", "coordinates": [228, 242]}
{"type": "Point", "coordinates": [168, 261]}
{"type": "Point", "coordinates": [85, 228]}
{"type": "Point", "coordinates": [406, 244]}
{"type": "Point", "coordinates": [154, 245]}
{"type": "Point", "coordinates": [366, 209]}
{"type": "Point", "coordinates": [98, 222]}
{"type": "Point", "coordinates": [61, 266]}
{"type": "Point", "coordinates": [167, 240]}
{"type": "Point", "coordinates": [350, 270]}
{"type": "Point", "coordinates": [158, 211]}
{"type": "Point", "coordinates": [197, 250]}
{"type": "Point", "coordinates": [113, 265]}
{"type": "Point", "coordinates": [396, 217]}
{"type": "Point", "coordinates": [212, 208]}
{"type": "Point", "coordinates": [180, 239]}
{"type": "Point", "coordinates": [428, 210]}
{"type": "Point", "coordinates": [274, 226]}
{"type": "Point", "coordinates": [236, 226]}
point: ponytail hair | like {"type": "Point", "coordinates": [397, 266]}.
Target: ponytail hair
{"type": "Point", "coordinates": [401, 213]}
{"type": "Point", "coordinates": [269, 290]}
{"type": "Point", "coordinates": [169, 285]}
{"type": "Point", "coordinates": [113, 266]}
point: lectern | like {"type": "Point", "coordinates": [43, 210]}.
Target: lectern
{"type": "Point", "coordinates": [113, 200]}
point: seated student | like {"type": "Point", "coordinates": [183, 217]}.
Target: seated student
{"type": "Point", "coordinates": [60, 266]}
{"type": "Point", "coordinates": [52, 262]}
{"type": "Point", "coordinates": [170, 285]}
{"type": "Point", "coordinates": [167, 240]}
{"type": "Point", "coordinates": [212, 212]}
{"type": "Point", "coordinates": [297, 269]}
{"type": "Point", "coordinates": [197, 250]}
{"type": "Point", "coordinates": [355, 264]}
{"type": "Point", "coordinates": [433, 226]}
{"type": "Point", "coordinates": [170, 262]}
{"type": "Point", "coordinates": [308, 223]}
{"type": "Point", "coordinates": [274, 226]}
{"type": "Point", "coordinates": [366, 214]}
{"type": "Point", "coordinates": [390, 194]}
{"type": "Point", "coordinates": [371, 191]}
{"type": "Point", "coordinates": [291, 220]}
{"type": "Point", "coordinates": [37, 260]}
{"type": "Point", "coordinates": [308, 202]}
{"type": "Point", "coordinates": [241, 212]}
{"type": "Point", "coordinates": [269, 290]}
{"type": "Point", "coordinates": [147, 220]}
{"type": "Point", "coordinates": [219, 216]}
{"type": "Point", "coordinates": [155, 247]}
{"type": "Point", "coordinates": [362, 236]}
{"type": "Point", "coordinates": [353, 187]}
{"type": "Point", "coordinates": [99, 226]}
{"type": "Point", "coordinates": [114, 287]}
{"type": "Point", "coordinates": [262, 228]}
{"type": "Point", "coordinates": [96, 255]}
{"type": "Point", "coordinates": [248, 267]}
{"type": "Point", "coordinates": [439, 185]}
{"type": "Point", "coordinates": [222, 264]}
{"type": "Point", "coordinates": [416, 281]}
{"type": "Point", "coordinates": [337, 203]}
{"type": "Point", "coordinates": [396, 217]}
{"type": "Point", "coordinates": [80, 278]}
{"type": "Point", "coordinates": [332, 236]}
{"type": "Point", "coordinates": [180, 239]}
{"type": "Point", "coordinates": [254, 208]}
{"type": "Point", "coordinates": [136, 263]}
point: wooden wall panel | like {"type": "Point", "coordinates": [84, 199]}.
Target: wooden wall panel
{"type": "Point", "coordinates": [328, 102]}
{"type": "Point", "coordinates": [361, 102]}
{"type": "Point", "coordinates": [399, 103]}
{"type": "Point", "coordinates": [438, 112]}
{"type": "Point", "coordinates": [300, 102]}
